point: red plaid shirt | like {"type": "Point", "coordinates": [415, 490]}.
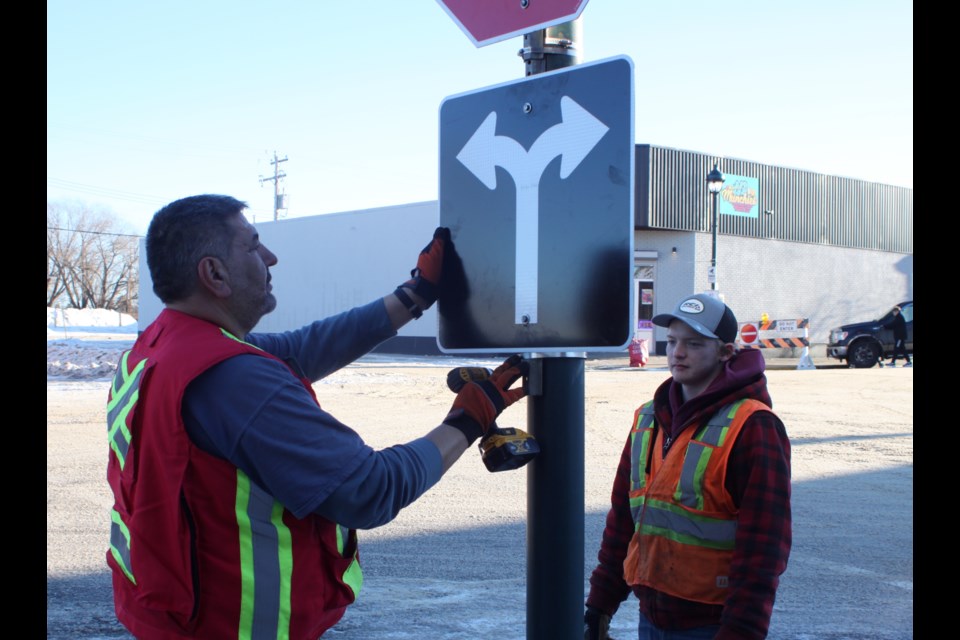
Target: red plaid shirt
{"type": "Point", "coordinates": [758, 478]}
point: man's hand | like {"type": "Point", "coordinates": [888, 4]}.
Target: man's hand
{"type": "Point", "coordinates": [478, 404]}
{"type": "Point", "coordinates": [425, 277]}
{"type": "Point", "coordinates": [596, 625]}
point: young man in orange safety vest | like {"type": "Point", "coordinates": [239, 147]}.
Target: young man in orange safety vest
{"type": "Point", "coordinates": [699, 528]}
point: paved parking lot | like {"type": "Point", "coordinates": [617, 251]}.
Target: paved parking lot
{"type": "Point", "coordinates": [453, 564]}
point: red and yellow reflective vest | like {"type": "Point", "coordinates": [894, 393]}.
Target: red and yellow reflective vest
{"type": "Point", "coordinates": [196, 548]}
{"type": "Point", "coordinates": [685, 521]}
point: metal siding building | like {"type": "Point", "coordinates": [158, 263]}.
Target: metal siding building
{"type": "Point", "coordinates": [825, 248]}
{"type": "Point", "coordinates": [798, 206]}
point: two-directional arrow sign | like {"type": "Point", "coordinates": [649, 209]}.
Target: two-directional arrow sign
{"type": "Point", "coordinates": [571, 139]}
{"type": "Point", "coordinates": [536, 185]}
{"type": "Point", "coordinates": [489, 21]}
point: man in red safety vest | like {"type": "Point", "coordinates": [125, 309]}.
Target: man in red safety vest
{"type": "Point", "coordinates": [236, 496]}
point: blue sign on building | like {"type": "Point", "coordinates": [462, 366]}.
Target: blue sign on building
{"type": "Point", "coordinates": [740, 196]}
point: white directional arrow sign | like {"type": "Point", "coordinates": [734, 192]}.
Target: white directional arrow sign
{"type": "Point", "coordinates": [572, 139]}
{"type": "Point", "coordinates": [536, 187]}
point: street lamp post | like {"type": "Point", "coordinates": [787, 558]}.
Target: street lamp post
{"type": "Point", "coordinates": [714, 184]}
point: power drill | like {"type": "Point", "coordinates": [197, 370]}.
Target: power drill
{"type": "Point", "coordinates": [500, 449]}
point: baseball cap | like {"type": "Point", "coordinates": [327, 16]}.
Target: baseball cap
{"type": "Point", "coordinates": [705, 314]}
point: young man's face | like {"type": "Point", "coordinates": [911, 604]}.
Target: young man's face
{"type": "Point", "coordinates": [694, 360]}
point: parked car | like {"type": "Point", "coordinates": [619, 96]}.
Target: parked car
{"type": "Point", "coordinates": [863, 344]}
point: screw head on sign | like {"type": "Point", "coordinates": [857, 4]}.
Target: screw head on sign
{"type": "Point", "coordinates": [524, 3]}
{"type": "Point", "coordinates": [527, 107]}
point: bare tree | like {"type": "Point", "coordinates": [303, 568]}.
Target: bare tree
{"type": "Point", "coordinates": [59, 254]}
{"type": "Point", "coordinates": [92, 261]}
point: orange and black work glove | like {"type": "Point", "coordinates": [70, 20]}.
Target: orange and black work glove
{"type": "Point", "coordinates": [425, 277]}
{"type": "Point", "coordinates": [478, 403]}
{"type": "Point", "coordinates": [460, 376]}
{"type": "Point", "coordinates": [596, 625]}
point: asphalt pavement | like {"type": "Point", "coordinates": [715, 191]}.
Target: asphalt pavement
{"type": "Point", "coordinates": [453, 564]}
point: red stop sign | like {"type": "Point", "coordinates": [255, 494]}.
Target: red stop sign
{"type": "Point", "coordinates": [748, 334]}
{"type": "Point", "coordinates": [489, 21]}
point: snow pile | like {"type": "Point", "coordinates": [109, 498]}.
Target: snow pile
{"type": "Point", "coordinates": [89, 320]}
{"type": "Point", "coordinates": [86, 344]}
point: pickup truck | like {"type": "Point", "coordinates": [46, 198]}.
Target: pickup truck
{"type": "Point", "coordinates": [863, 344]}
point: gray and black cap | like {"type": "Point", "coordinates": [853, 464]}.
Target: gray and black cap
{"type": "Point", "coordinates": [705, 314]}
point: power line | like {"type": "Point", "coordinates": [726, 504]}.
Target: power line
{"type": "Point", "coordinates": [99, 233]}
{"type": "Point", "coordinates": [102, 191]}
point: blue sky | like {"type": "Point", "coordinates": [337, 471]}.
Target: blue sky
{"type": "Point", "coordinates": [148, 102]}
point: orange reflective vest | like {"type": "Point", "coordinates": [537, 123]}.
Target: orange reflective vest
{"type": "Point", "coordinates": [197, 549]}
{"type": "Point", "coordinates": [685, 521]}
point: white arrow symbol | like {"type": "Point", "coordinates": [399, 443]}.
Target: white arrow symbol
{"type": "Point", "coordinates": [572, 139]}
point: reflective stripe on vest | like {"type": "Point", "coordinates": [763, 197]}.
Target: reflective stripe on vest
{"type": "Point", "coordinates": [123, 395]}
{"type": "Point", "coordinates": [669, 521]}
{"type": "Point", "coordinates": [122, 398]}
{"type": "Point", "coordinates": [641, 440]}
{"type": "Point", "coordinates": [353, 576]}
{"type": "Point", "coordinates": [120, 544]}
{"type": "Point", "coordinates": [713, 434]}
{"type": "Point", "coordinates": [266, 559]}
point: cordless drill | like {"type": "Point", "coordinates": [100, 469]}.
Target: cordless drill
{"type": "Point", "coordinates": [500, 449]}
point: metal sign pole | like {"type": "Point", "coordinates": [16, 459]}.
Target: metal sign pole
{"type": "Point", "coordinates": [555, 494]}
{"type": "Point", "coordinates": [555, 417]}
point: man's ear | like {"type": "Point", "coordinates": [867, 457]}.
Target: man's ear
{"type": "Point", "coordinates": [214, 277]}
{"type": "Point", "coordinates": [727, 349]}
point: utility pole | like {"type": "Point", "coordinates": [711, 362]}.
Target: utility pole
{"type": "Point", "coordinates": [277, 175]}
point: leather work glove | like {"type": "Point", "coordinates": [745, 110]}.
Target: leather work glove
{"type": "Point", "coordinates": [596, 625]}
{"type": "Point", "coordinates": [460, 376]}
{"type": "Point", "coordinates": [478, 403]}
{"type": "Point", "coordinates": [425, 277]}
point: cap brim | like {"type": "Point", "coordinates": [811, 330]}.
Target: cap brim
{"type": "Point", "coordinates": [664, 320]}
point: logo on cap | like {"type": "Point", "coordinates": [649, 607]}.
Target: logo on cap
{"type": "Point", "coordinates": [692, 305]}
